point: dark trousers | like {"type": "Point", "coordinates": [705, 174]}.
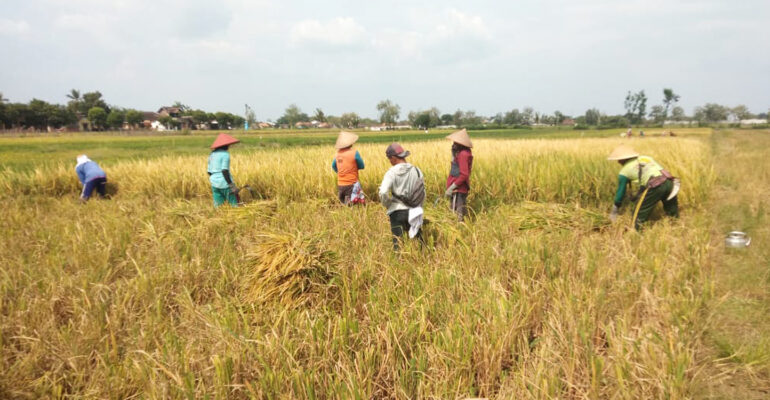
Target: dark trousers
{"type": "Point", "coordinates": [399, 226]}
{"type": "Point", "coordinates": [100, 184]}
{"type": "Point", "coordinates": [651, 199]}
{"type": "Point", "coordinates": [459, 204]}
{"type": "Point", "coordinates": [344, 193]}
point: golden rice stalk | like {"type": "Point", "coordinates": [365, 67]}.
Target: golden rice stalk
{"type": "Point", "coordinates": [553, 216]}
{"type": "Point", "coordinates": [288, 268]}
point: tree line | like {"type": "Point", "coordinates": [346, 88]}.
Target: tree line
{"type": "Point", "coordinates": [91, 108]}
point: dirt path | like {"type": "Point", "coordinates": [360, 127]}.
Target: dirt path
{"type": "Point", "coordinates": [736, 357]}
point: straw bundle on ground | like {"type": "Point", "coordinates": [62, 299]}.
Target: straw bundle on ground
{"type": "Point", "coordinates": [288, 268]}
{"type": "Point", "coordinates": [552, 216]}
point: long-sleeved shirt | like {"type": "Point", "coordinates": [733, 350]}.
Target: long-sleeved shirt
{"type": "Point", "coordinates": [399, 179]}
{"type": "Point", "coordinates": [346, 164]}
{"type": "Point", "coordinates": [460, 172]}
{"type": "Point", "coordinates": [89, 171]}
{"type": "Point", "coordinates": [630, 174]}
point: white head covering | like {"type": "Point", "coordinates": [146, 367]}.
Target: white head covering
{"type": "Point", "coordinates": [82, 159]}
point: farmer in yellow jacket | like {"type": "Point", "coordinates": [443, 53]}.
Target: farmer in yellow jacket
{"type": "Point", "coordinates": [654, 182]}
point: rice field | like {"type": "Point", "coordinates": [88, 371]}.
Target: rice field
{"type": "Point", "coordinates": [154, 294]}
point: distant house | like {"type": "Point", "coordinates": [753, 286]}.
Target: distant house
{"type": "Point", "coordinates": [264, 125]}
{"type": "Point", "coordinates": [377, 128]}
{"type": "Point", "coordinates": [446, 127]}
{"type": "Point", "coordinates": [173, 112]}
{"type": "Point", "coordinates": [148, 118]}
{"type": "Point", "coordinates": [324, 125]}
{"type": "Point", "coordinates": [754, 121]}
{"type": "Point", "coordinates": [303, 125]}
{"type": "Point", "coordinates": [568, 122]}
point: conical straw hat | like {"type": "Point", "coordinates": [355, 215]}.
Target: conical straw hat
{"type": "Point", "coordinates": [224, 140]}
{"type": "Point", "coordinates": [623, 152]}
{"type": "Point", "coordinates": [461, 137]}
{"type": "Point", "coordinates": [345, 139]}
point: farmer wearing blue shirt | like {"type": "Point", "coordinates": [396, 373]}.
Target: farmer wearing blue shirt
{"type": "Point", "coordinates": [222, 185]}
{"type": "Point", "coordinates": [91, 176]}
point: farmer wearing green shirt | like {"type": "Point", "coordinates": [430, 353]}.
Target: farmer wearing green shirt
{"type": "Point", "coordinates": [222, 185]}
{"type": "Point", "coordinates": [654, 182]}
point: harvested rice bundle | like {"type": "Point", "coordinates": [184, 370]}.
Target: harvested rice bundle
{"type": "Point", "coordinates": [289, 268]}
{"type": "Point", "coordinates": [552, 216]}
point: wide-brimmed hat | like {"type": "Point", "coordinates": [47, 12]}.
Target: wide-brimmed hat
{"type": "Point", "coordinates": [461, 137]}
{"type": "Point", "coordinates": [345, 139]}
{"type": "Point", "coordinates": [224, 140]}
{"type": "Point", "coordinates": [623, 152]}
{"type": "Point", "coordinates": [395, 150]}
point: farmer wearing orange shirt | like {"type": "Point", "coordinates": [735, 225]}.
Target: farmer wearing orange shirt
{"type": "Point", "coordinates": [346, 164]}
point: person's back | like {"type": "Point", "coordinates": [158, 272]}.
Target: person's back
{"type": "Point", "coordinates": [89, 171]}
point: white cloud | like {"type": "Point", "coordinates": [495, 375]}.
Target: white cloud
{"type": "Point", "coordinates": [13, 28]}
{"type": "Point", "coordinates": [338, 33]}
{"type": "Point", "coordinates": [450, 36]}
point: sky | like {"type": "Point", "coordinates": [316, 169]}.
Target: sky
{"type": "Point", "coordinates": [346, 56]}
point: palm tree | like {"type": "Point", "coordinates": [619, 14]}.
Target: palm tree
{"type": "Point", "coordinates": [74, 95]}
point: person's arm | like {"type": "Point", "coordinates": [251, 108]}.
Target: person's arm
{"type": "Point", "coordinates": [226, 175]}
{"type": "Point", "coordinates": [384, 191]}
{"type": "Point", "coordinates": [621, 192]}
{"type": "Point", "coordinates": [81, 174]}
{"type": "Point", "coordinates": [334, 165]}
{"type": "Point", "coordinates": [359, 161]}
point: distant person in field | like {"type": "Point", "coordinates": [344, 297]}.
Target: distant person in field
{"type": "Point", "coordinates": [402, 193]}
{"type": "Point", "coordinates": [347, 162]}
{"type": "Point", "coordinates": [652, 180]}
{"type": "Point", "coordinates": [223, 186]}
{"type": "Point", "coordinates": [91, 176]}
{"type": "Point", "coordinates": [458, 181]}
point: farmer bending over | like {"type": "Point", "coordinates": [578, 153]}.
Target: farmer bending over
{"type": "Point", "coordinates": [655, 184]}
{"type": "Point", "coordinates": [91, 176]}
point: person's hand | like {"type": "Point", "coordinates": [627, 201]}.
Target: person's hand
{"type": "Point", "coordinates": [233, 188]}
{"type": "Point", "coordinates": [450, 190]}
{"type": "Point", "coordinates": [614, 213]}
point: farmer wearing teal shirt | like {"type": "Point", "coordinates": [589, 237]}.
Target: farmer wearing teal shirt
{"type": "Point", "coordinates": [222, 185]}
{"type": "Point", "coordinates": [654, 182]}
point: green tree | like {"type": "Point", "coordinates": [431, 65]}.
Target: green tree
{"type": "Point", "coordinates": [91, 100]}
{"type": "Point", "coordinates": [741, 112]}
{"type": "Point", "coordinates": [636, 106]}
{"type": "Point", "coordinates": [512, 117]}
{"type": "Point", "coordinates": [74, 104]}
{"type": "Point", "coordinates": [658, 114]}
{"type": "Point", "coordinates": [558, 117]}
{"type": "Point", "coordinates": [167, 121]}
{"type": "Point", "coordinates": [677, 114]}
{"type": "Point", "coordinates": [528, 116]}
{"type": "Point", "coordinates": [134, 118]}
{"type": "Point", "coordinates": [446, 119]}
{"type": "Point", "coordinates": [292, 115]}
{"type": "Point", "coordinates": [115, 119]}
{"type": "Point", "coordinates": [350, 120]}
{"type": "Point", "coordinates": [98, 117]}
{"type": "Point", "coordinates": [389, 112]}
{"type": "Point", "coordinates": [593, 117]}
{"type": "Point", "coordinates": [669, 99]}
{"type": "Point", "coordinates": [319, 115]}
{"type": "Point", "coordinates": [224, 120]}
{"type": "Point", "coordinates": [711, 112]}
